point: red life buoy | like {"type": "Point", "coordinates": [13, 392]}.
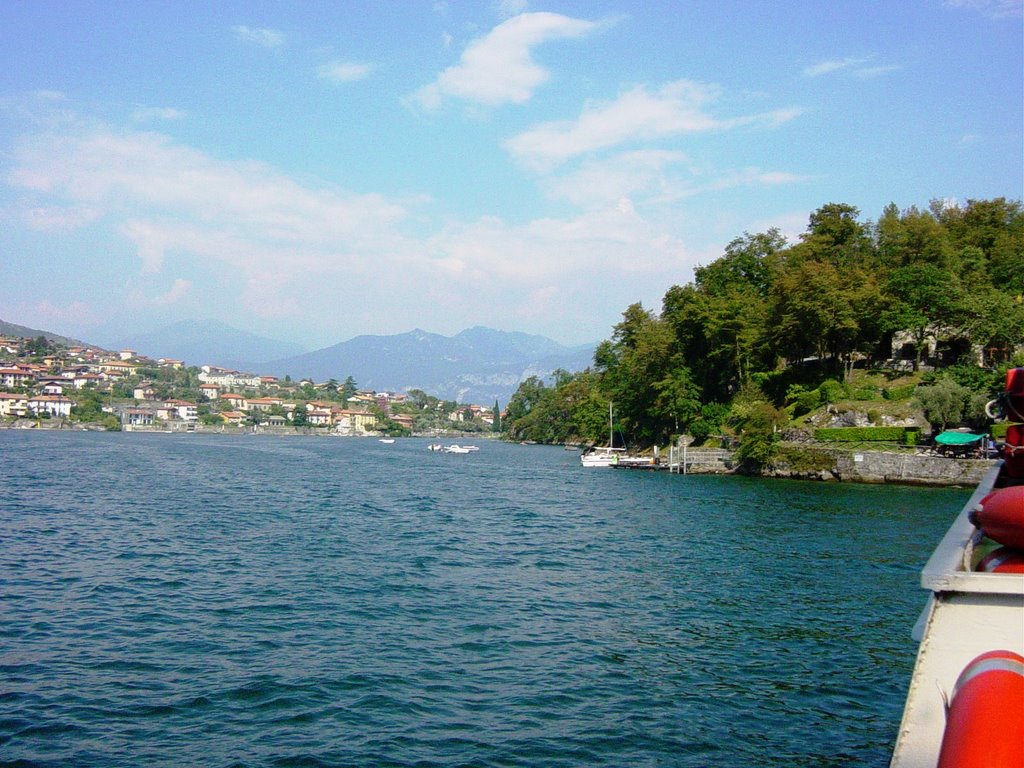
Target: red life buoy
{"type": "Point", "coordinates": [1002, 560]}
{"type": "Point", "coordinates": [985, 722]}
{"type": "Point", "coordinates": [1001, 516]}
{"type": "Point", "coordinates": [1015, 381]}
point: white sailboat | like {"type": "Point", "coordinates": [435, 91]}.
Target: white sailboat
{"type": "Point", "coordinates": [603, 456]}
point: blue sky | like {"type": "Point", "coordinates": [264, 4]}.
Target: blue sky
{"type": "Point", "coordinates": [319, 170]}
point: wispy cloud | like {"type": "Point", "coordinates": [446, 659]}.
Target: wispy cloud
{"type": "Point", "coordinates": [995, 9]}
{"type": "Point", "coordinates": [637, 115]}
{"type": "Point", "coordinates": [833, 65]}
{"type": "Point", "coordinates": [171, 199]}
{"type": "Point", "coordinates": [268, 38]}
{"type": "Point", "coordinates": [73, 313]}
{"type": "Point", "coordinates": [292, 248]}
{"type": "Point", "coordinates": [344, 71]}
{"type": "Point", "coordinates": [59, 218]}
{"type": "Point", "coordinates": [508, 8]}
{"type": "Point", "coordinates": [855, 66]}
{"type": "Point", "coordinates": [148, 114]}
{"type": "Point", "coordinates": [868, 72]}
{"type": "Point", "coordinates": [499, 67]}
{"type": "Point", "coordinates": [178, 289]}
{"type": "Point", "coordinates": [654, 177]}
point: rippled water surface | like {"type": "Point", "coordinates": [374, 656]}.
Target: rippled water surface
{"type": "Point", "coordinates": [258, 601]}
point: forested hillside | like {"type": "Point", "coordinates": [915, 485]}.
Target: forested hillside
{"type": "Point", "coordinates": [771, 329]}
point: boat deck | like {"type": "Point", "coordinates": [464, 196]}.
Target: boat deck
{"type": "Point", "coordinates": [967, 614]}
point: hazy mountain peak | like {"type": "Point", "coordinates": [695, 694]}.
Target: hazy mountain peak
{"type": "Point", "coordinates": [478, 365]}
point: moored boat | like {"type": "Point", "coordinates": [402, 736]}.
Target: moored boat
{"type": "Point", "coordinates": [460, 448]}
{"type": "Point", "coordinates": [606, 455]}
{"type": "Point", "coordinates": [600, 457]}
{"type": "Point", "coordinates": [968, 677]}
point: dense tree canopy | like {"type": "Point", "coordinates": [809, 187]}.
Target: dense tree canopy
{"type": "Point", "coordinates": [755, 320]}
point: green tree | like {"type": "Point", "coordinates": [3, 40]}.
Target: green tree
{"type": "Point", "coordinates": [757, 422]}
{"type": "Point", "coordinates": [348, 389]}
{"type": "Point", "coordinates": [924, 299]}
{"type": "Point", "coordinates": [944, 402]}
{"type": "Point", "coordinates": [811, 312]}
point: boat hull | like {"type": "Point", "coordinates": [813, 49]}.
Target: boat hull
{"type": "Point", "coordinates": [969, 613]}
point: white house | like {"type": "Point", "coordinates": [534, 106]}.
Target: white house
{"type": "Point", "coordinates": [15, 377]}
{"type": "Point", "coordinates": [55, 405]}
{"type": "Point", "coordinates": [13, 405]}
{"type": "Point", "coordinates": [181, 409]}
{"type": "Point", "coordinates": [138, 417]}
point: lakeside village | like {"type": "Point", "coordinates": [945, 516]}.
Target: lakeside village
{"type": "Point", "coordinates": [44, 384]}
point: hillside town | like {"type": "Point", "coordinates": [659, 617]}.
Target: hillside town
{"type": "Point", "coordinates": [47, 384]}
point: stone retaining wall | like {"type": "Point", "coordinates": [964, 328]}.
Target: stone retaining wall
{"type": "Point", "coordinates": [893, 467]}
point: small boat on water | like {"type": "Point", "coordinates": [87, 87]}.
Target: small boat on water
{"type": "Point", "coordinates": [387, 440]}
{"type": "Point", "coordinates": [460, 448]}
{"type": "Point", "coordinates": [965, 703]}
{"type": "Point", "coordinates": [603, 456]}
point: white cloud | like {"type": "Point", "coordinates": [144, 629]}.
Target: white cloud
{"type": "Point", "coordinates": [995, 9]}
{"type": "Point", "coordinates": [833, 65]}
{"type": "Point", "coordinates": [45, 95]}
{"type": "Point", "coordinates": [646, 173]}
{"type": "Point", "coordinates": [637, 115]}
{"type": "Point", "coordinates": [268, 38]}
{"type": "Point", "coordinates": [653, 177]}
{"type": "Point", "coordinates": [499, 68]}
{"type": "Point", "coordinates": [175, 293]}
{"type": "Point", "coordinates": [855, 66]}
{"type": "Point", "coordinates": [59, 218]}
{"type": "Point", "coordinates": [344, 71]}
{"type": "Point", "coordinates": [175, 201]}
{"type": "Point", "coordinates": [147, 114]}
{"type": "Point", "coordinates": [269, 246]}
{"type": "Point", "coordinates": [508, 8]}
{"type": "Point", "coordinates": [74, 313]}
{"type": "Point", "coordinates": [882, 69]}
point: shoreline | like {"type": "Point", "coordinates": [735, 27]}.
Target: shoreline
{"type": "Point", "coordinates": [832, 465]}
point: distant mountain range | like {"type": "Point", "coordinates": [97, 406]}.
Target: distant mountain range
{"type": "Point", "coordinates": [15, 330]}
{"type": "Point", "coordinates": [479, 365]}
{"type": "Point", "coordinates": [209, 342]}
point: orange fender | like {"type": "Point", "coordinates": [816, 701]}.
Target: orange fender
{"type": "Point", "coordinates": [985, 722]}
{"type": "Point", "coordinates": [1002, 560]}
{"type": "Point", "coordinates": [1001, 516]}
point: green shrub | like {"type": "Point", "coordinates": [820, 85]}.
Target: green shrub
{"type": "Point", "coordinates": [801, 459]}
{"type": "Point", "coordinates": [802, 399]}
{"type": "Point", "coordinates": [864, 393]}
{"type": "Point", "coordinates": [833, 391]}
{"type": "Point", "coordinates": [899, 393]}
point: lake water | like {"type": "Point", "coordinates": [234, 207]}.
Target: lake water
{"type": "Point", "coordinates": [257, 601]}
